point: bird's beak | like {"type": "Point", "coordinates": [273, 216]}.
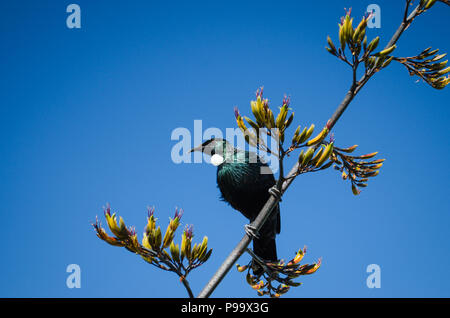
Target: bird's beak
{"type": "Point", "coordinates": [198, 148]}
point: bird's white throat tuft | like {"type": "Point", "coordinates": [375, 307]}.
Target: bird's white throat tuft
{"type": "Point", "coordinates": [216, 160]}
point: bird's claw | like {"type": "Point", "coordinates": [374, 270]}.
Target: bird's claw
{"type": "Point", "coordinates": [275, 192]}
{"type": "Point", "coordinates": [251, 231]}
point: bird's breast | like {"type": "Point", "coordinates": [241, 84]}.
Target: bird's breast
{"type": "Point", "coordinates": [244, 187]}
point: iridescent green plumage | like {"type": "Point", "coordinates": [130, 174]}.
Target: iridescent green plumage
{"type": "Point", "coordinates": [244, 181]}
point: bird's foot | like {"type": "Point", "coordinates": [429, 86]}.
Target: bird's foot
{"type": "Point", "coordinates": [275, 192]}
{"type": "Point", "coordinates": [251, 231]}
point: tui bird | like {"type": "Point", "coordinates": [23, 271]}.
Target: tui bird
{"type": "Point", "coordinates": [244, 182]}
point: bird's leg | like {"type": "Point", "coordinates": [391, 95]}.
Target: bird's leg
{"type": "Point", "coordinates": [275, 192]}
{"type": "Point", "coordinates": [251, 231]}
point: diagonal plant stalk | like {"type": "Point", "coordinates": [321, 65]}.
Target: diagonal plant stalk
{"type": "Point", "coordinates": [285, 181]}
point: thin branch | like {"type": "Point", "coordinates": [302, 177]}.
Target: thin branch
{"type": "Point", "coordinates": [188, 288]}
{"type": "Point", "coordinates": [273, 200]}
{"type": "Point", "coordinates": [405, 16]}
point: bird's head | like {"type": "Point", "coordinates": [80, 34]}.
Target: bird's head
{"type": "Point", "coordinates": [218, 148]}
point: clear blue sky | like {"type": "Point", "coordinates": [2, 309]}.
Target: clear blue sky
{"type": "Point", "coordinates": [86, 118]}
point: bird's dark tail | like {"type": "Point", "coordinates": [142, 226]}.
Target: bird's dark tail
{"type": "Point", "coordinates": [265, 248]}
